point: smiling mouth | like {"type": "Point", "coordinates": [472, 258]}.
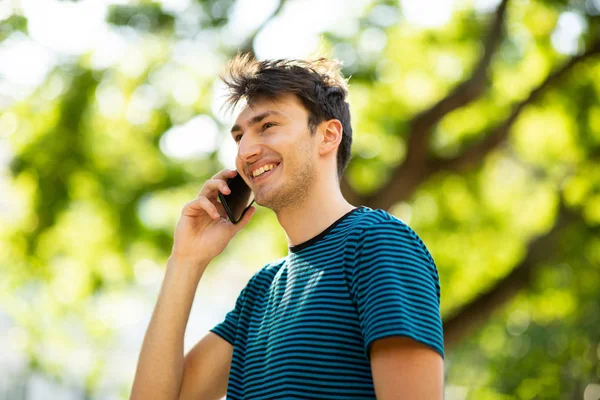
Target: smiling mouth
{"type": "Point", "coordinates": [264, 175]}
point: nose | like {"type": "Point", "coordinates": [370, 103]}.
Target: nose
{"type": "Point", "coordinates": [249, 150]}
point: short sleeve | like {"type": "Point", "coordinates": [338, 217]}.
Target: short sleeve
{"type": "Point", "coordinates": [394, 284]}
{"type": "Point", "coordinates": [229, 327]}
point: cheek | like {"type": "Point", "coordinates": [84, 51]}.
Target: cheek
{"type": "Point", "coordinates": [239, 166]}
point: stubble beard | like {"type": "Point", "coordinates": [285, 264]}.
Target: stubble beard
{"type": "Point", "coordinates": [295, 188]}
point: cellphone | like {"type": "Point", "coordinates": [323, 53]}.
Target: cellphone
{"type": "Point", "coordinates": [239, 200]}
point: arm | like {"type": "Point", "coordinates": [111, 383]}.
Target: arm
{"type": "Point", "coordinates": [163, 372]}
{"type": "Point", "coordinates": [394, 282]}
{"type": "Point", "coordinates": [406, 369]}
{"type": "Point", "coordinates": [202, 233]}
{"type": "Point", "coordinates": [206, 369]}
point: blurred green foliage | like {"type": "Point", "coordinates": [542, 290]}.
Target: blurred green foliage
{"type": "Point", "coordinates": [145, 17]}
{"type": "Point", "coordinates": [14, 23]}
{"type": "Point", "coordinates": [94, 191]}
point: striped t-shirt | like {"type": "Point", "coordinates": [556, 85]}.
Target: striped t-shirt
{"type": "Point", "coordinates": [303, 325]}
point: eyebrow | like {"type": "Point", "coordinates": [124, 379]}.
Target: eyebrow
{"type": "Point", "coordinates": [256, 119]}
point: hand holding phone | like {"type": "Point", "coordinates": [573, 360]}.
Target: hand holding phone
{"type": "Point", "coordinates": [203, 231]}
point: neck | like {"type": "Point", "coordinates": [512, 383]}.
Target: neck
{"type": "Point", "coordinates": [302, 222]}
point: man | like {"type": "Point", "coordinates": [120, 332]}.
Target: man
{"type": "Point", "coordinates": [351, 312]}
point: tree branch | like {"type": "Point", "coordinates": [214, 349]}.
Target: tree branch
{"type": "Point", "coordinates": [473, 87]}
{"type": "Point", "coordinates": [477, 311]}
{"type": "Point", "coordinates": [539, 250]}
{"type": "Point", "coordinates": [413, 171]}
{"type": "Point", "coordinates": [478, 151]}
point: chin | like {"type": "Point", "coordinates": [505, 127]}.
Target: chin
{"type": "Point", "coordinates": [263, 201]}
{"type": "Point", "coordinates": [268, 200]}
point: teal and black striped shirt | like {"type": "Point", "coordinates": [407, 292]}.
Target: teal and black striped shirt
{"type": "Point", "coordinates": [303, 325]}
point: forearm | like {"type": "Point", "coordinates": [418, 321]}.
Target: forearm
{"type": "Point", "coordinates": [160, 366]}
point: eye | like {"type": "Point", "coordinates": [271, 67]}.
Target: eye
{"type": "Point", "coordinates": [268, 125]}
{"type": "Point", "coordinates": [237, 138]}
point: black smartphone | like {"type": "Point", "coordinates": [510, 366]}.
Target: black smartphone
{"type": "Point", "coordinates": [239, 200]}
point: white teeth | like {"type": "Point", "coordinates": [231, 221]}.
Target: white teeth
{"type": "Point", "coordinates": [262, 170]}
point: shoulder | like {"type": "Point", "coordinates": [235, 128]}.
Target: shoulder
{"type": "Point", "coordinates": [264, 276]}
{"type": "Point", "coordinates": [370, 220]}
{"type": "Point", "coordinates": [382, 227]}
{"type": "Point", "coordinates": [379, 236]}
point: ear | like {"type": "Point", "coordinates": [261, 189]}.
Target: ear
{"type": "Point", "coordinates": [331, 136]}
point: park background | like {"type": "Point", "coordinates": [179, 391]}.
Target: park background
{"type": "Point", "coordinates": [477, 122]}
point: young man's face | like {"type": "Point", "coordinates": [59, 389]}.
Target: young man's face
{"type": "Point", "coordinates": [275, 133]}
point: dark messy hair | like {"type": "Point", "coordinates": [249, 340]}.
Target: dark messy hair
{"type": "Point", "coordinates": [318, 84]}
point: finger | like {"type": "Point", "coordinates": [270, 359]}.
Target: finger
{"type": "Point", "coordinates": [212, 187]}
{"type": "Point", "coordinates": [202, 204]}
{"type": "Point", "coordinates": [225, 173]}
